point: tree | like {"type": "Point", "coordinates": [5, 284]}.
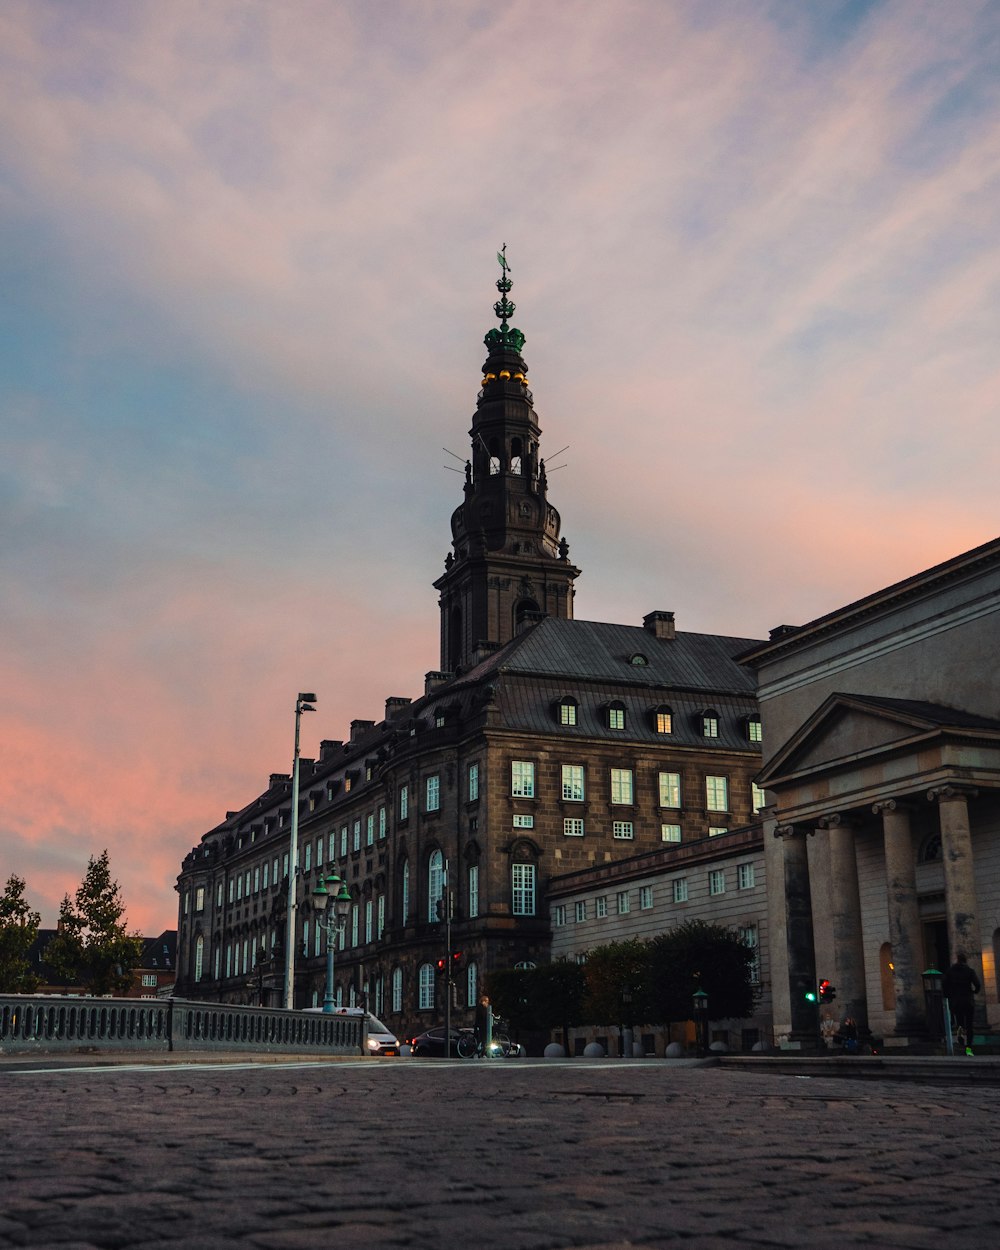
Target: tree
{"type": "Point", "coordinates": [18, 931]}
{"type": "Point", "coordinates": [694, 956]}
{"type": "Point", "coordinates": [93, 946]}
{"type": "Point", "coordinates": [616, 978]}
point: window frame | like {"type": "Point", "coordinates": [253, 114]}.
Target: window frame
{"type": "Point", "coordinates": [623, 779]}
{"type": "Point", "coordinates": [523, 891]}
{"type": "Point", "coordinates": [522, 779]}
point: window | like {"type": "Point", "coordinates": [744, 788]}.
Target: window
{"type": "Point", "coordinates": [663, 720]}
{"type": "Point", "coordinates": [567, 711]}
{"type": "Point", "coordinates": [405, 891]}
{"type": "Point", "coordinates": [307, 861]}
{"type": "Point", "coordinates": [745, 877]}
{"type": "Point", "coordinates": [355, 924]}
{"type": "Point", "coordinates": [670, 833]}
{"type": "Point", "coordinates": [601, 906]}
{"type": "Point", "coordinates": [356, 836]}
{"type": "Point", "coordinates": [199, 894]}
{"type": "Point", "coordinates": [616, 716]}
{"type": "Point", "coordinates": [317, 934]}
{"type": "Point", "coordinates": [638, 660]}
{"type": "Point", "coordinates": [471, 984]}
{"type": "Point", "coordinates": [624, 903]}
{"type": "Point", "coordinates": [717, 794]}
{"type": "Point", "coordinates": [381, 822]}
{"type": "Point", "coordinates": [370, 829]}
{"type": "Point", "coordinates": [758, 799]}
{"type": "Point", "coordinates": [239, 892]}
{"type": "Point", "coordinates": [670, 790]}
{"type": "Point", "coordinates": [433, 793]}
{"type": "Point", "coordinates": [580, 910]}
{"type": "Point", "coordinates": [524, 822]}
{"type": "Point", "coordinates": [645, 897]}
{"type": "Point", "coordinates": [343, 841]}
{"type": "Point", "coordinates": [680, 889]}
{"type": "Point", "coordinates": [473, 891]}
{"type": "Point", "coordinates": [621, 785]}
{"type": "Point", "coordinates": [404, 802]}
{"type": "Point", "coordinates": [622, 829]}
{"type": "Point", "coordinates": [573, 827]}
{"type": "Point", "coordinates": [439, 719]}
{"type": "Point", "coordinates": [199, 958]}
{"type": "Point", "coordinates": [380, 921]}
{"type": "Point", "coordinates": [748, 936]}
{"type": "Point", "coordinates": [522, 779]}
{"type": "Point", "coordinates": [284, 866]}
{"type": "Point", "coordinates": [755, 732]}
{"type": "Point", "coordinates": [709, 723]}
{"type": "Point", "coordinates": [558, 915]}
{"type": "Point", "coordinates": [715, 831]}
{"type": "Point", "coordinates": [572, 783]}
{"type": "Point", "coordinates": [523, 889]}
{"type": "Point", "coordinates": [435, 884]}
{"type": "Point", "coordinates": [397, 989]}
{"type": "Point", "coordinates": [426, 993]}
{"type": "Point", "coordinates": [369, 920]}
{"type": "Point", "coordinates": [305, 938]}
{"type": "Point", "coordinates": [274, 874]}
{"type": "Point", "coordinates": [232, 888]}
{"type": "Point", "coordinates": [218, 889]}
{"type": "Point", "coordinates": [473, 782]}
{"type": "Point", "coordinates": [717, 881]}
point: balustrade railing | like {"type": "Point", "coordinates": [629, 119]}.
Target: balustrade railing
{"type": "Point", "coordinates": [35, 1022]}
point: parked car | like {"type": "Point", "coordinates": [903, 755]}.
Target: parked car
{"type": "Point", "coordinates": [430, 1045]}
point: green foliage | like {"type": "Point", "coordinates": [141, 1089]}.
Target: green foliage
{"type": "Point", "coordinates": [93, 947]}
{"type": "Point", "coordinates": [616, 979]}
{"type": "Point", "coordinates": [18, 930]}
{"type": "Point", "coordinates": [550, 997]}
{"type": "Point", "coordinates": [701, 956]}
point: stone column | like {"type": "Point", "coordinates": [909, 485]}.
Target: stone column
{"type": "Point", "coordinates": [904, 919]}
{"type": "Point", "coordinates": [799, 937]}
{"type": "Point", "coordinates": [960, 880]}
{"type": "Point", "coordinates": [848, 943]}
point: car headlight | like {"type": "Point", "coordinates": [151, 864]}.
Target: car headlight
{"type": "Point", "coordinates": [372, 1044]}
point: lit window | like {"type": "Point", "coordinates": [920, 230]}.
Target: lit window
{"type": "Point", "coordinates": [755, 732]}
{"type": "Point", "coordinates": [558, 915]}
{"type": "Point", "coordinates": [522, 779]}
{"type": "Point", "coordinates": [439, 720]}
{"type": "Point", "coordinates": [680, 890]}
{"type": "Point", "coordinates": [573, 827]}
{"type": "Point", "coordinates": [524, 822]}
{"type": "Point", "coordinates": [397, 989]}
{"type": "Point", "coordinates": [709, 724]}
{"type": "Point", "coordinates": [601, 906]}
{"type": "Point", "coordinates": [715, 831]}
{"type": "Point", "coordinates": [435, 885]}
{"type": "Point", "coordinates": [433, 793]}
{"type": "Point", "coordinates": [426, 982]}
{"type": "Point", "coordinates": [356, 836]}
{"type": "Point", "coordinates": [523, 889]}
{"type": "Point", "coordinates": [717, 881]}
{"type": "Point", "coordinates": [370, 829]}
{"type": "Point", "coordinates": [404, 802]}
{"type": "Point", "coordinates": [670, 833]}
{"type": "Point", "coordinates": [472, 984]}
{"type": "Point", "coordinates": [308, 857]}
{"type": "Point", "coordinates": [664, 720]}
{"type": "Point", "coordinates": [319, 854]}
{"type": "Point", "coordinates": [624, 902]}
{"type": "Point", "coordinates": [580, 911]}
{"type": "Point", "coordinates": [199, 894]}
{"type": "Point", "coordinates": [622, 829]}
{"type": "Point", "coordinates": [621, 785]}
{"type": "Point", "coordinates": [645, 897]}
{"type": "Point", "coordinates": [473, 782]}
{"type": "Point", "coordinates": [758, 799]}
{"type": "Point", "coordinates": [638, 660]}
{"type": "Point", "coordinates": [232, 888]}
{"type": "Point", "coordinates": [572, 783]}
{"type": "Point", "coordinates": [381, 822]}
{"type": "Point", "coordinates": [567, 712]}
{"type": "Point", "coordinates": [199, 957]}
{"type": "Point", "coordinates": [670, 790]}
{"type": "Point", "coordinates": [343, 840]}
{"type": "Point", "coordinates": [218, 889]}
{"type": "Point", "coordinates": [616, 716]}
{"type": "Point", "coordinates": [717, 794]}
{"type": "Point", "coordinates": [745, 877]}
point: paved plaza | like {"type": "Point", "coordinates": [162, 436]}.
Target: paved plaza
{"type": "Point", "coordinates": [515, 1155]}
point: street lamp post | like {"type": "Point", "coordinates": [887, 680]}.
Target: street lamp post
{"type": "Point", "coordinates": [700, 1003]}
{"type": "Point", "coordinates": [331, 915]}
{"type": "Point", "coordinates": [303, 703]}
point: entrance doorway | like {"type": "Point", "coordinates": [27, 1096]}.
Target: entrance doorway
{"type": "Point", "coordinates": [936, 954]}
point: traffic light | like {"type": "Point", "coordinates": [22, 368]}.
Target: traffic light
{"type": "Point", "coordinates": [441, 965]}
{"type": "Point", "coordinates": [456, 958]}
{"type": "Point", "coordinates": [827, 992]}
{"type": "Point", "coordinates": [810, 995]}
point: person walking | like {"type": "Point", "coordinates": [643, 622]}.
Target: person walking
{"type": "Point", "coordinates": [961, 985]}
{"type": "Point", "coordinates": [482, 1025]}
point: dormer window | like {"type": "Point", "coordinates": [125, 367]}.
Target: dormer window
{"type": "Point", "coordinates": [639, 660]}
{"type": "Point", "coordinates": [755, 732]}
{"type": "Point", "coordinates": [616, 715]}
{"type": "Point", "coordinates": [709, 723]}
{"type": "Point", "coordinates": [566, 710]}
{"type": "Point", "coordinates": [439, 719]}
{"type": "Point", "coordinates": [663, 719]}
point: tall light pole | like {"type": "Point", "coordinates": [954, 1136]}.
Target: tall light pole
{"type": "Point", "coordinates": [333, 909]}
{"type": "Point", "coordinates": [303, 703]}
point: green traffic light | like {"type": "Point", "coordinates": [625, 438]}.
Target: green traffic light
{"type": "Point", "coordinates": [810, 996]}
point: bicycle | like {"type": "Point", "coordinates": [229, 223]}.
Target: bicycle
{"type": "Point", "coordinates": [468, 1045]}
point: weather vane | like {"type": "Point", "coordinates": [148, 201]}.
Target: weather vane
{"type": "Point", "coordinates": [506, 336]}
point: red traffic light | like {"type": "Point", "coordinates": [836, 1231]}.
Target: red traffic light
{"type": "Point", "coordinates": [827, 992]}
{"type": "Point", "coordinates": [456, 956]}
{"type": "Point", "coordinates": [440, 965]}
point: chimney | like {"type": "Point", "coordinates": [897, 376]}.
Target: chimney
{"type": "Point", "coordinates": [659, 624]}
{"type": "Point", "coordinates": [359, 728]}
{"type": "Point", "coordinates": [394, 705]}
{"type": "Point", "coordinates": [433, 681]}
{"type": "Point", "coordinates": [329, 747]}
{"type": "Point", "coordinates": [279, 779]}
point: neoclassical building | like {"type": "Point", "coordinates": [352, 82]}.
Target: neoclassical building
{"type": "Point", "coordinates": [882, 771]}
{"type": "Point", "coordinates": [541, 745]}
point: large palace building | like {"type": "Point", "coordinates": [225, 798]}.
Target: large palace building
{"type": "Point", "coordinates": [543, 746]}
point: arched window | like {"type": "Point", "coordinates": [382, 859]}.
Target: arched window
{"type": "Point", "coordinates": [495, 465]}
{"type": "Point", "coordinates": [435, 884]}
{"type": "Point", "coordinates": [930, 850]}
{"type": "Point", "coordinates": [525, 965]}
{"type": "Point", "coordinates": [524, 609]}
{"type": "Point", "coordinates": [471, 984]}
{"type": "Point", "coordinates": [199, 956]}
{"type": "Point", "coordinates": [425, 1001]}
{"type": "Point", "coordinates": [397, 989]}
{"type": "Point", "coordinates": [515, 455]}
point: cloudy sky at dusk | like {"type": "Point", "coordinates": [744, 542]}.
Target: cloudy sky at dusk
{"type": "Point", "coordinates": [248, 255]}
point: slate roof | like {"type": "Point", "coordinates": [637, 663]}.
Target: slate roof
{"type": "Point", "coordinates": [936, 713]}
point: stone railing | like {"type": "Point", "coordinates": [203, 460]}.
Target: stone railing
{"type": "Point", "coordinates": [37, 1022]}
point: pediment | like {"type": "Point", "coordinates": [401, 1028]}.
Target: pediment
{"type": "Point", "coordinates": [843, 728]}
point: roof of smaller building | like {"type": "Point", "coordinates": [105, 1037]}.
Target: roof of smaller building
{"type": "Point", "coordinates": [936, 713]}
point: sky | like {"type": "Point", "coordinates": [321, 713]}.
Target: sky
{"type": "Point", "coordinates": [247, 253]}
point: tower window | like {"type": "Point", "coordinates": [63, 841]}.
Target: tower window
{"type": "Point", "coordinates": [516, 460]}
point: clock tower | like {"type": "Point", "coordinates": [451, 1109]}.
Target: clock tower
{"type": "Point", "coordinates": [508, 563]}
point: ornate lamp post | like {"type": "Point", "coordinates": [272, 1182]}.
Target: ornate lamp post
{"type": "Point", "coordinates": [331, 915]}
{"type": "Point", "coordinates": [700, 1003]}
{"type": "Point", "coordinates": [303, 703]}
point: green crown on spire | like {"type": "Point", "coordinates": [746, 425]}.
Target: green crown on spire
{"type": "Point", "coordinates": [507, 335]}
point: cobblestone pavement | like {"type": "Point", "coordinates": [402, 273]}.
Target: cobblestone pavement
{"type": "Point", "coordinates": [512, 1156]}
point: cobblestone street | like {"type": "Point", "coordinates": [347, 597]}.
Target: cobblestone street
{"type": "Point", "coordinates": [518, 1156]}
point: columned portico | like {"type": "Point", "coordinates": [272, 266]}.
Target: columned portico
{"type": "Point", "coordinates": [959, 875]}
{"type": "Point", "coordinates": [848, 941]}
{"type": "Point", "coordinates": [799, 936]}
{"type": "Point", "coordinates": [904, 918]}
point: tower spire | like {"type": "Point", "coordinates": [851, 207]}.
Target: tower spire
{"type": "Point", "coordinates": [508, 563]}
